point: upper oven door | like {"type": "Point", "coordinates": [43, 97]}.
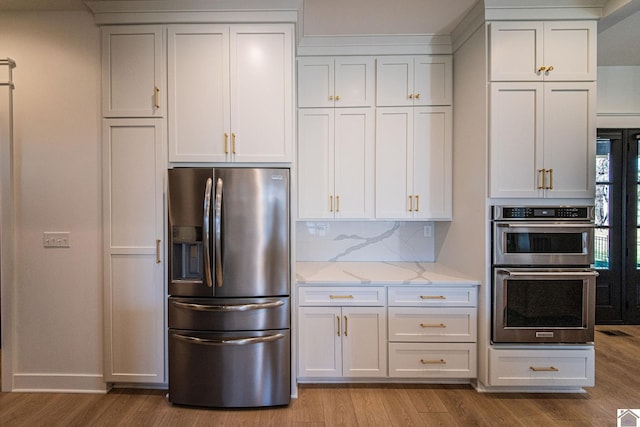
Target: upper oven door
{"type": "Point", "coordinates": [542, 243]}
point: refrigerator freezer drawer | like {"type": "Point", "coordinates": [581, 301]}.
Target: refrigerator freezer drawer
{"type": "Point", "coordinates": [233, 369]}
{"type": "Point", "coordinates": [237, 314]}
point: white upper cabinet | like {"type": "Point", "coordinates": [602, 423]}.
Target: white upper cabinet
{"type": "Point", "coordinates": [230, 93]}
{"type": "Point", "coordinates": [549, 50]}
{"type": "Point", "coordinates": [542, 140]}
{"type": "Point", "coordinates": [414, 163]}
{"type": "Point", "coordinates": [336, 163]}
{"type": "Point", "coordinates": [414, 80]}
{"type": "Point", "coordinates": [336, 82]}
{"type": "Point", "coordinates": [132, 72]}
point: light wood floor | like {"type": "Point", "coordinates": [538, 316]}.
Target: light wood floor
{"type": "Point", "coordinates": [617, 386]}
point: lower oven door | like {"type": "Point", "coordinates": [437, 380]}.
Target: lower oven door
{"type": "Point", "coordinates": [543, 305]}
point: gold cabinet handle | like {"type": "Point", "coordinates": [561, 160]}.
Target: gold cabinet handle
{"type": "Point", "coordinates": [550, 68]}
{"type": "Point", "coordinates": [542, 177]}
{"type": "Point", "coordinates": [330, 203]}
{"type": "Point", "coordinates": [330, 97]}
{"type": "Point", "coordinates": [337, 203]}
{"type": "Point", "coordinates": [158, 260]}
{"type": "Point", "coordinates": [411, 203]}
{"type": "Point", "coordinates": [226, 143]}
{"type": "Point", "coordinates": [417, 96]}
{"type": "Point", "coordinates": [417, 203]}
{"type": "Point", "coordinates": [550, 187]}
{"type": "Point", "coordinates": [156, 97]}
{"type": "Point", "coordinates": [542, 69]}
{"type": "Point", "coordinates": [433, 361]}
{"type": "Point", "coordinates": [433, 325]}
{"type": "Point", "coordinates": [543, 369]}
{"type": "Point", "coordinates": [233, 143]}
{"type": "Point", "coordinates": [346, 327]}
{"type": "Point", "coordinates": [340, 296]}
{"type": "Point", "coordinates": [410, 96]}
{"type": "Point", "coordinates": [338, 317]}
{"type": "Point", "coordinates": [432, 297]}
{"type": "Point", "coordinates": [337, 97]}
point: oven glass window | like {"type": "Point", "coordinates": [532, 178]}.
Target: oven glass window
{"type": "Point", "coordinates": [544, 303]}
{"type": "Point", "coordinates": [544, 243]}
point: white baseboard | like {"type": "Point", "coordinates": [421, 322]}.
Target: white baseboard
{"type": "Point", "coordinates": [59, 383]}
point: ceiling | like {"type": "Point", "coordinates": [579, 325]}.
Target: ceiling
{"type": "Point", "coordinates": [618, 30]}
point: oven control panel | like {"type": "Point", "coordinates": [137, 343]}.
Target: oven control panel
{"type": "Point", "coordinates": [571, 213]}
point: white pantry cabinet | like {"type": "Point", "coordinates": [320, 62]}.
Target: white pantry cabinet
{"type": "Point", "coordinates": [336, 163]}
{"type": "Point", "coordinates": [230, 93]}
{"type": "Point", "coordinates": [543, 50]}
{"type": "Point", "coordinates": [134, 167]}
{"type": "Point", "coordinates": [341, 332]}
{"type": "Point", "coordinates": [414, 80]}
{"type": "Point", "coordinates": [542, 139]}
{"type": "Point", "coordinates": [336, 82]}
{"type": "Point", "coordinates": [133, 78]}
{"type": "Point", "coordinates": [413, 163]}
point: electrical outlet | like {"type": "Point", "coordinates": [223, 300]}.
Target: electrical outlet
{"type": "Point", "coordinates": [428, 230]}
{"type": "Point", "coordinates": [51, 239]}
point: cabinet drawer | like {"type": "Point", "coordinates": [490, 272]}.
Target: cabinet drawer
{"type": "Point", "coordinates": [415, 360]}
{"type": "Point", "coordinates": [341, 296]}
{"type": "Point", "coordinates": [433, 296]}
{"type": "Point", "coordinates": [432, 324]}
{"type": "Point", "coordinates": [544, 367]}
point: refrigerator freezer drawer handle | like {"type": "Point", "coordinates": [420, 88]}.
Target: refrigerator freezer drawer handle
{"type": "Point", "coordinates": [218, 244]}
{"type": "Point", "coordinates": [231, 341]}
{"type": "Point", "coordinates": [227, 308]}
{"type": "Point", "coordinates": [207, 232]}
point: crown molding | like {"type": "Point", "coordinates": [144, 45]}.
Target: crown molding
{"type": "Point", "coordinates": [409, 44]}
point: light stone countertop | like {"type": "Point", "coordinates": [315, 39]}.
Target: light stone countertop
{"type": "Point", "coordinates": [378, 273]}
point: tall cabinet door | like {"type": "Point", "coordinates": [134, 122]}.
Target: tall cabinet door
{"type": "Point", "coordinates": [134, 292]}
{"type": "Point", "coordinates": [516, 139]}
{"type": "Point", "coordinates": [394, 146]}
{"type": "Point", "coordinates": [432, 162]}
{"type": "Point", "coordinates": [198, 90]}
{"type": "Point", "coordinates": [132, 74]}
{"type": "Point", "coordinates": [261, 72]}
{"type": "Point", "coordinates": [319, 342]}
{"type": "Point", "coordinates": [315, 163]}
{"type": "Point", "coordinates": [569, 139]}
{"type": "Point", "coordinates": [354, 163]}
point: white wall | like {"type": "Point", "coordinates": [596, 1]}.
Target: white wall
{"type": "Point", "coordinates": [58, 295]}
{"type": "Point", "coordinates": [618, 97]}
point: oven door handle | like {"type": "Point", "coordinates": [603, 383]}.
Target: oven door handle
{"type": "Point", "coordinates": [547, 225]}
{"type": "Point", "coordinates": [590, 273]}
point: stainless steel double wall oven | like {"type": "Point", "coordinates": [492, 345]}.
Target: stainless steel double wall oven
{"type": "Point", "coordinates": [543, 283]}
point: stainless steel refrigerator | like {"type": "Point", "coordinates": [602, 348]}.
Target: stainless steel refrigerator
{"type": "Point", "coordinates": [229, 282]}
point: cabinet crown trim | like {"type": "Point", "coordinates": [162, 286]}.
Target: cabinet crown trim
{"type": "Point", "coordinates": [195, 11]}
{"type": "Point", "coordinates": [417, 44]}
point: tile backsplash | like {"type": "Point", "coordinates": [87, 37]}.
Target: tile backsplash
{"type": "Point", "coordinates": [364, 241]}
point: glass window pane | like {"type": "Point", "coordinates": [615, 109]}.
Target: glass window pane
{"type": "Point", "coordinates": [601, 248]}
{"type": "Point", "coordinates": [603, 160]}
{"type": "Point", "coordinates": [602, 204]}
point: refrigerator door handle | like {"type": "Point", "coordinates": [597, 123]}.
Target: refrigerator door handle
{"type": "Point", "coordinates": [217, 238]}
{"type": "Point", "coordinates": [206, 227]}
{"type": "Point", "coordinates": [228, 307]}
{"type": "Point", "coordinates": [229, 341]}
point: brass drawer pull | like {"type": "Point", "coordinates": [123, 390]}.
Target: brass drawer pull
{"type": "Point", "coordinates": [543, 369]}
{"type": "Point", "coordinates": [433, 325]}
{"type": "Point", "coordinates": [341, 296]}
{"type": "Point", "coordinates": [433, 362]}
{"type": "Point", "coordinates": [432, 297]}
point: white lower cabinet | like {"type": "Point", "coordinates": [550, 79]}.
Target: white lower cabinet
{"type": "Point", "coordinates": [432, 332]}
{"type": "Point", "coordinates": [542, 367]}
{"type": "Point", "coordinates": [425, 332]}
{"type": "Point", "coordinates": [342, 338]}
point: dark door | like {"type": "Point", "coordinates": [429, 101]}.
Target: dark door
{"type": "Point", "coordinates": [617, 222]}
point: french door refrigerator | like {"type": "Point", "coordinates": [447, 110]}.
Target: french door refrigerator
{"type": "Point", "coordinates": [229, 282]}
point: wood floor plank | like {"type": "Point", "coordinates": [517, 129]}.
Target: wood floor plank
{"type": "Point", "coordinates": [369, 408]}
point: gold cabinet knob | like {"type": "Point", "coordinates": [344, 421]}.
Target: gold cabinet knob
{"type": "Point", "coordinates": [330, 97]}
{"type": "Point", "coordinates": [550, 68]}
{"type": "Point", "coordinates": [417, 96]}
{"type": "Point", "coordinates": [337, 97]}
{"type": "Point", "coordinates": [542, 69]}
{"type": "Point", "coordinates": [410, 96]}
